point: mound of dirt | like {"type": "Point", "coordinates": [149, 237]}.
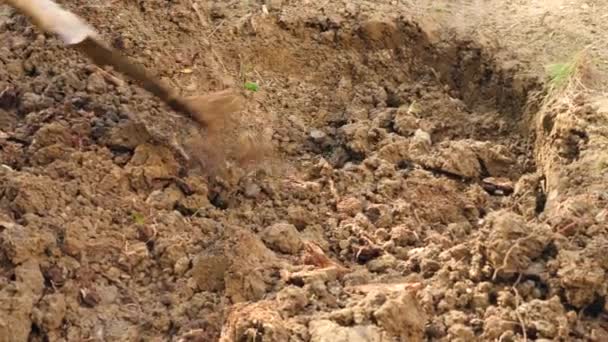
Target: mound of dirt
{"type": "Point", "coordinates": [417, 187]}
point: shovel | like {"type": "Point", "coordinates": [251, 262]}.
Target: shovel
{"type": "Point", "coordinates": [75, 32]}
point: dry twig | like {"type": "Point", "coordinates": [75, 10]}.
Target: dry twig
{"type": "Point", "coordinates": [517, 303]}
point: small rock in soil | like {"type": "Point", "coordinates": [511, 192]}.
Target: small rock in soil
{"type": "Point", "coordinates": [328, 331]}
{"type": "Point", "coordinates": [318, 136]}
{"type": "Point", "coordinates": [512, 243]}
{"type": "Point", "coordinates": [283, 237]}
{"type": "Point", "coordinates": [402, 316]}
{"type": "Point", "coordinates": [96, 83]}
{"type": "Point", "coordinates": [252, 190]}
{"type": "Point", "coordinates": [350, 206]}
{"type": "Point", "coordinates": [208, 271]}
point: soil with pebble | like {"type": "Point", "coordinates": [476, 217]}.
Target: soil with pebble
{"type": "Point", "coordinates": [422, 185]}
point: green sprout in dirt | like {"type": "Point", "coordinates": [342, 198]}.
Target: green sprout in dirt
{"type": "Point", "coordinates": [138, 218]}
{"type": "Point", "coordinates": [561, 75]}
{"type": "Point", "coordinates": [252, 86]}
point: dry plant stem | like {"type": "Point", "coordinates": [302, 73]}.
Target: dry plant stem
{"type": "Point", "coordinates": [508, 255]}
{"type": "Point", "coordinates": [111, 78]}
{"type": "Point", "coordinates": [197, 9]}
{"type": "Point", "coordinates": [519, 317]}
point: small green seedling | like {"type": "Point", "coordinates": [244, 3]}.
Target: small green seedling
{"type": "Point", "coordinates": [252, 86]}
{"type": "Point", "coordinates": [138, 218]}
{"type": "Point", "coordinates": [561, 74]}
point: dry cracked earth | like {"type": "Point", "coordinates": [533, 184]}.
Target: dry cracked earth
{"type": "Point", "coordinates": [422, 184]}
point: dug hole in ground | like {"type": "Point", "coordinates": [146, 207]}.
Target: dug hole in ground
{"type": "Point", "coordinates": [399, 172]}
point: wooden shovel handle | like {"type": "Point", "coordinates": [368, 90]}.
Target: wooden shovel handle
{"type": "Point", "coordinates": [53, 19]}
{"type": "Point", "coordinates": [103, 55]}
{"type": "Point", "coordinates": [72, 30]}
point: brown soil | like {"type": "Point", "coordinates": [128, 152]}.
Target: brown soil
{"type": "Point", "coordinates": [398, 176]}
